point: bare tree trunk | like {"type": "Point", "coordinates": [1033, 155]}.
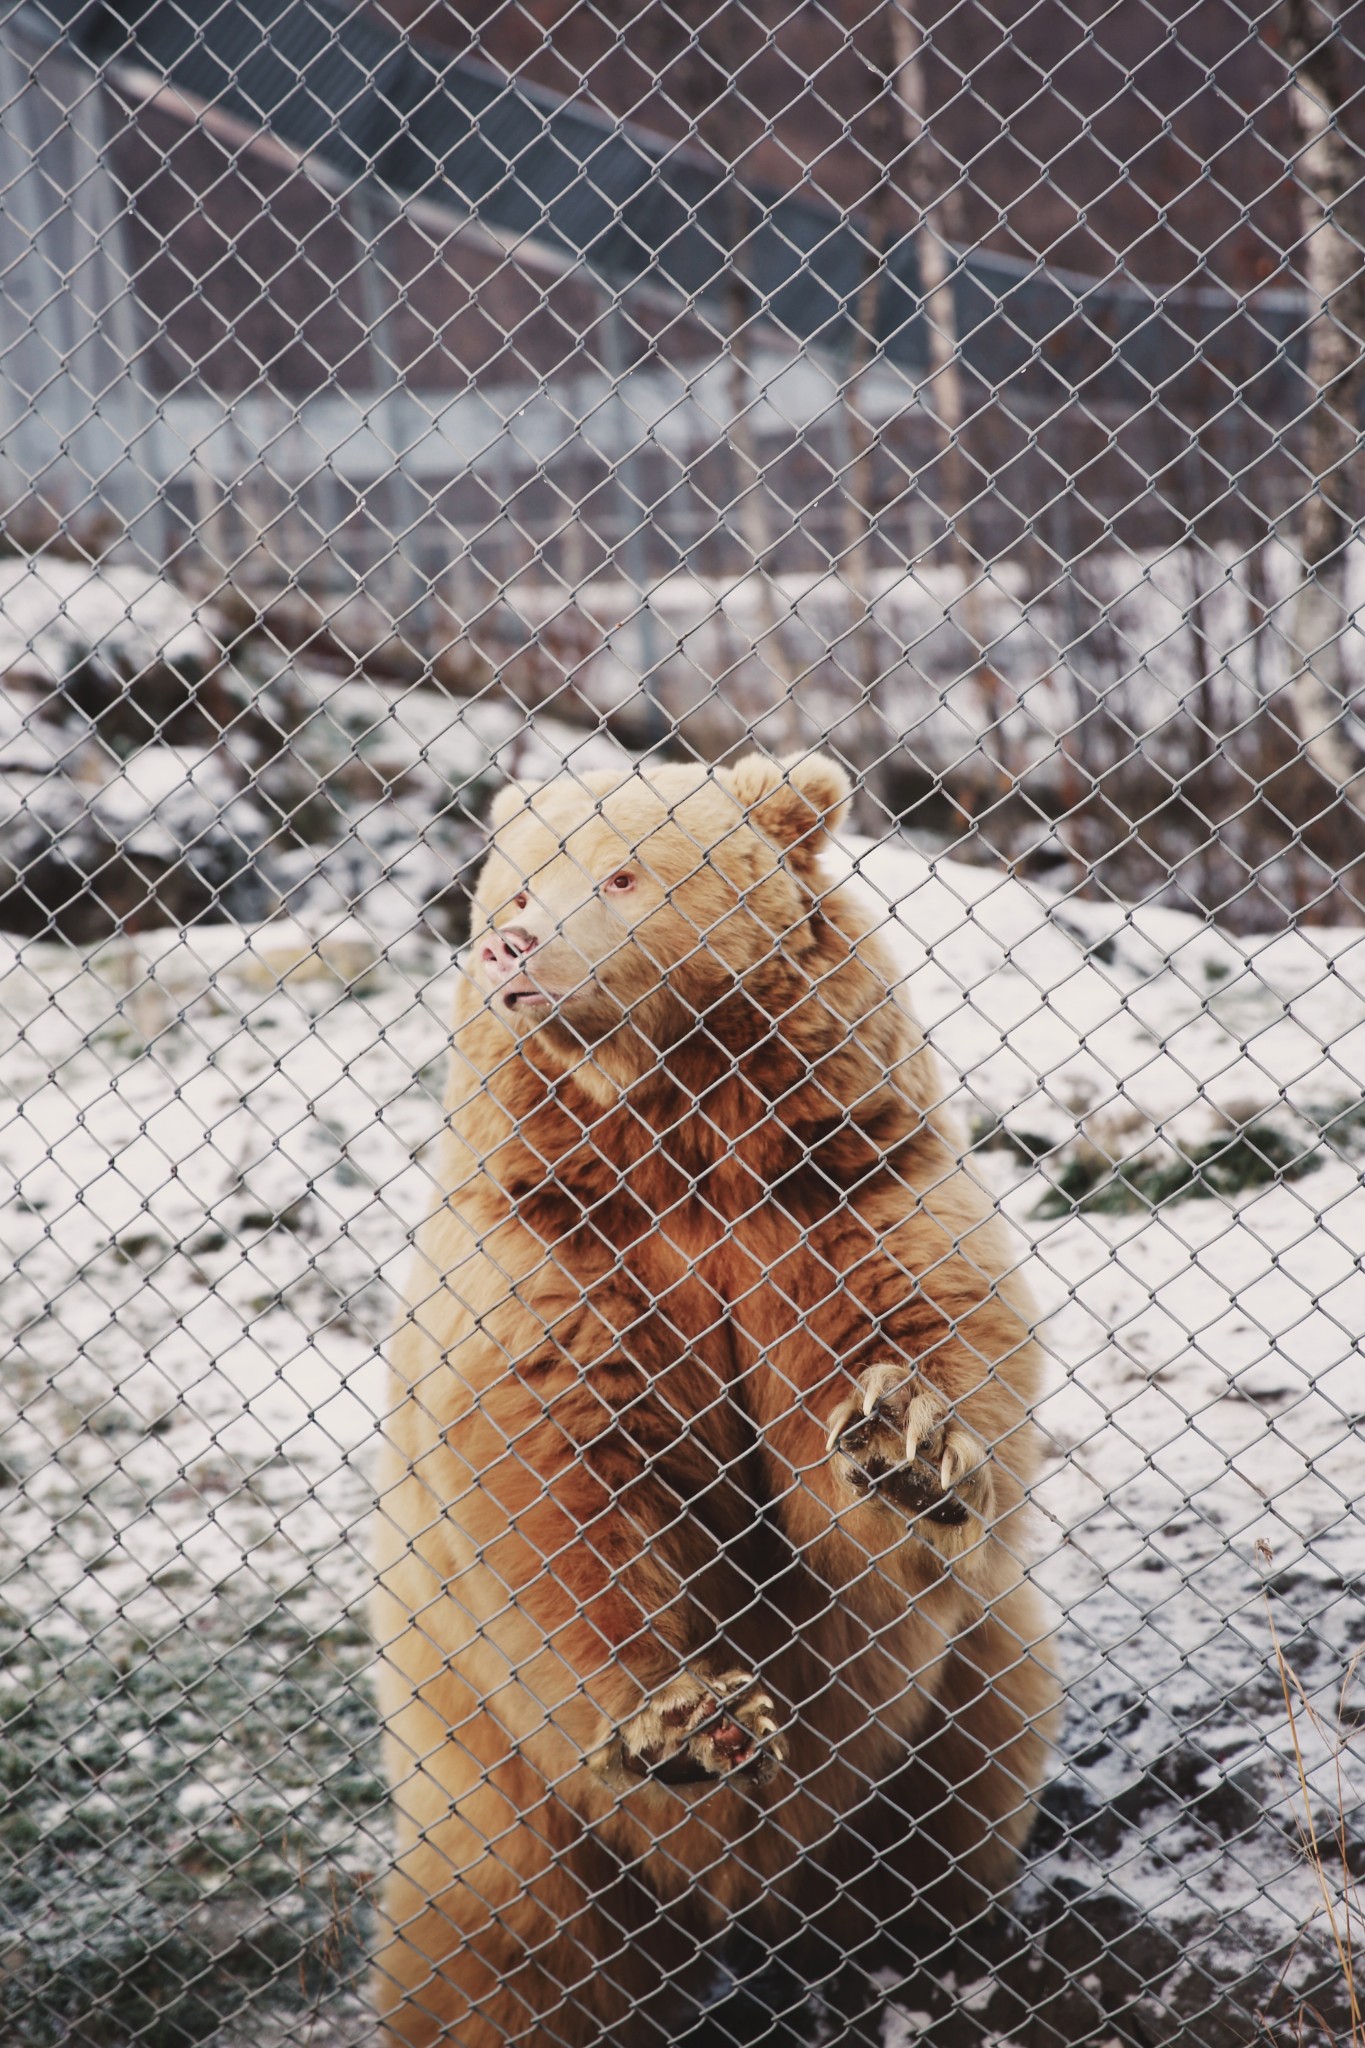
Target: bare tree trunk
{"type": "Point", "coordinates": [688, 47]}
{"type": "Point", "coordinates": [1327, 77]}
{"type": "Point", "coordinates": [752, 496]}
{"type": "Point", "coordinates": [860, 440]}
{"type": "Point", "coordinates": [632, 498]}
{"type": "Point", "coordinates": [897, 129]}
{"type": "Point", "coordinates": [1205, 776]}
{"type": "Point", "coordinates": [934, 192]}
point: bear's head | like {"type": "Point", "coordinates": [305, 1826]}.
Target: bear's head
{"type": "Point", "coordinates": [618, 910]}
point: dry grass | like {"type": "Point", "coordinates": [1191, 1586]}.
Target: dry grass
{"type": "Point", "coordinates": [1327, 1851]}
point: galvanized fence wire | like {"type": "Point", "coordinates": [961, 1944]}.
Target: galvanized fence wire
{"type": "Point", "coordinates": [793, 1475]}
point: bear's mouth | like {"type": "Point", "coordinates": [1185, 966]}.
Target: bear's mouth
{"type": "Point", "coordinates": [524, 997]}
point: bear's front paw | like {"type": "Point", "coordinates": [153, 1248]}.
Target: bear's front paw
{"type": "Point", "coordinates": [698, 1729]}
{"type": "Point", "coordinates": [898, 1441]}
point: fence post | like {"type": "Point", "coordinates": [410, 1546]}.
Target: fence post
{"type": "Point", "coordinates": [79, 420]}
{"type": "Point", "coordinates": [398, 422]}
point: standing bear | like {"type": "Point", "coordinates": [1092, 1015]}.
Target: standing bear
{"type": "Point", "coordinates": [702, 1580]}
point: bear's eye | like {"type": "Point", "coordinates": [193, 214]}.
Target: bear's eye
{"type": "Point", "coordinates": [622, 880]}
{"type": "Point", "coordinates": [520, 900]}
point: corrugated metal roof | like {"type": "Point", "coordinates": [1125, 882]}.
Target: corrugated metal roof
{"type": "Point", "coordinates": [637, 210]}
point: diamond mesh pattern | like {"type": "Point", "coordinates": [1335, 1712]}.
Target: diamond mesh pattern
{"type": "Point", "coordinates": [397, 403]}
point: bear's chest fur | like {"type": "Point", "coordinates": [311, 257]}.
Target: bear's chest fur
{"type": "Point", "coordinates": [701, 1158]}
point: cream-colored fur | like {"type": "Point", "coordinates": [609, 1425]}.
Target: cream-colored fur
{"type": "Point", "coordinates": [702, 1533]}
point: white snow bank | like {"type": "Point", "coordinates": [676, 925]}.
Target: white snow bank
{"type": "Point", "coordinates": [54, 612]}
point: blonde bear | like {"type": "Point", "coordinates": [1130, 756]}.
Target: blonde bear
{"type": "Point", "coordinates": [703, 1539]}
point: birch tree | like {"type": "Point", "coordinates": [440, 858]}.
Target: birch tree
{"type": "Point", "coordinates": [1328, 74]}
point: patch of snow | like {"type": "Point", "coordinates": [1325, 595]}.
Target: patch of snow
{"type": "Point", "coordinates": [55, 612]}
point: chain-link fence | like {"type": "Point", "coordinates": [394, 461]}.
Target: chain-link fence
{"type": "Point", "coordinates": [863, 1496]}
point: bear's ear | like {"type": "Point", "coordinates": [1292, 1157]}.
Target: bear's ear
{"type": "Point", "coordinates": [513, 800]}
{"type": "Point", "coordinates": [795, 802]}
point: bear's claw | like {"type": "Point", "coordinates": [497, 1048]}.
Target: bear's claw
{"type": "Point", "coordinates": [698, 1729]}
{"type": "Point", "coordinates": [900, 1441]}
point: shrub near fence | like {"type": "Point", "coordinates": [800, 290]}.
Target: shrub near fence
{"type": "Point", "coordinates": [395, 406]}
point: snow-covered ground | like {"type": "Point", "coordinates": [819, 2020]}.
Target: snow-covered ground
{"type": "Point", "coordinates": [215, 1141]}
{"type": "Point", "coordinates": [1207, 1454]}
{"type": "Point", "coordinates": [212, 1144]}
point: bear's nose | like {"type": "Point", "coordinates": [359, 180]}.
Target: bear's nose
{"type": "Point", "coordinates": [501, 953]}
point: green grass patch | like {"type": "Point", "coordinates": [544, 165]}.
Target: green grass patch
{"type": "Point", "coordinates": [1258, 1155]}
{"type": "Point", "coordinates": [1342, 1125]}
{"type": "Point", "coordinates": [187, 1831]}
{"type": "Point", "coordinates": [992, 1134]}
